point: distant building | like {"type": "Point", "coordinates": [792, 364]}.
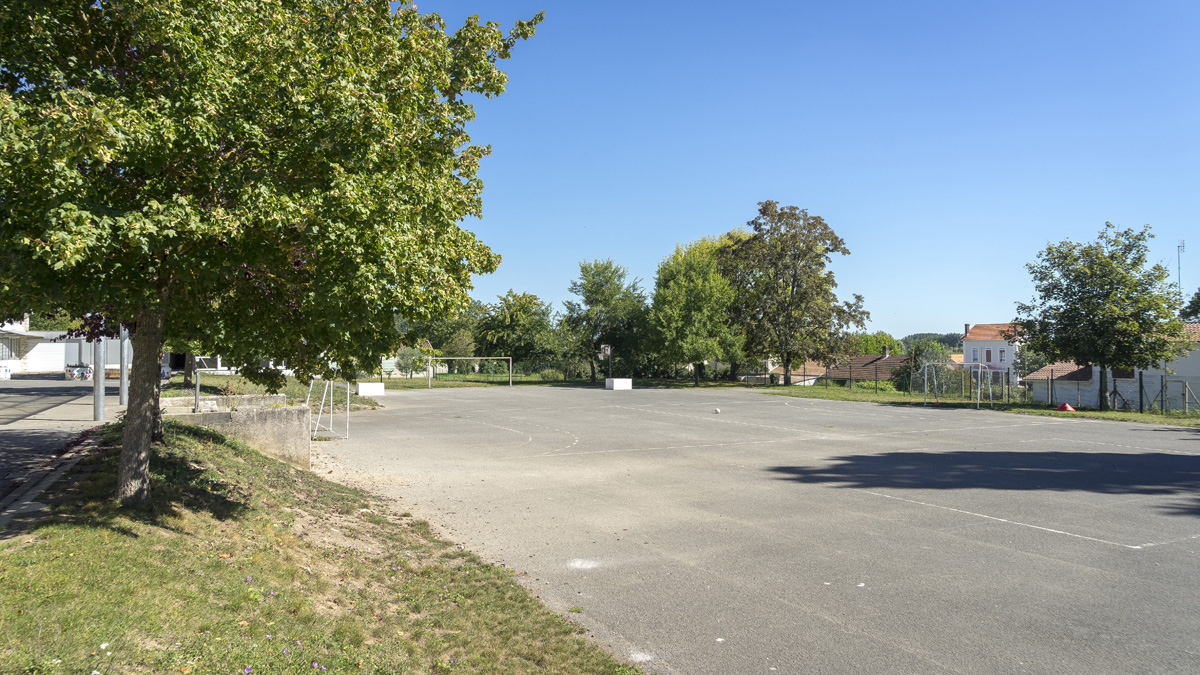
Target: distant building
{"type": "Point", "coordinates": [984, 346]}
{"type": "Point", "coordinates": [1069, 382]}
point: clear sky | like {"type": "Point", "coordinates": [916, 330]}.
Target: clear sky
{"type": "Point", "coordinates": [946, 142]}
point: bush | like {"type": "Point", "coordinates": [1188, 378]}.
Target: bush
{"type": "Point", "coordinates": [883, 385]}
{"type": "Point", "coordinates": [550, 375]}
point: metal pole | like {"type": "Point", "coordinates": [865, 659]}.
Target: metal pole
{"type": "Point", "coordinates": [1141, 393]}
{"type": "Point", "coordinates": [510, 371]}
{"type": "Point", "coordinates": [124, 389]}
{"type": "Point", "coordinates": [98, 380]}
{"type": "Point", "coordinates": [196, 399]}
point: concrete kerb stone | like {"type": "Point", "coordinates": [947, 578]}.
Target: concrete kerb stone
{"type": "Point", "coordinates": [19, 500]}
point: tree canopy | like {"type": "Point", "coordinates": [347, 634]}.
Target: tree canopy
{"type": "Point", "coordinates": [611, 310]}
{"type": "Point", "coordinates": [1191, 311]}
{"type": "Point", "coordinates": [274, 180]}
{"type": "Point", "coordinates": [520, 326]}
{"type": "Point", "coordinates": [873, 343]}
{"type": "Point", "coordinates": [690, 310]}
{"type": "Point", "coordinates": [784, 262]}
{"type": "Point", "coordinates": [1100, 303]}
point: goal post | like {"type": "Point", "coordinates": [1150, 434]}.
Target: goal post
{"type": "Point", "coordinates": [978, 372]}
{"type": "Point", "coordinates": [434, 359]}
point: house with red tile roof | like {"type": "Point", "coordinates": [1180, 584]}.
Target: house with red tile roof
{"type": "Point", "coordinates": [985, 346]}
{"type": "Point", "coordinates": [1177, 382]}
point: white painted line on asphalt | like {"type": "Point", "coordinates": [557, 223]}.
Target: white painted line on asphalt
{"type": "Point", "coordinates": [1000, 520]}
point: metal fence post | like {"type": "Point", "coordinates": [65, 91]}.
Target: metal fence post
{"type": "Point", "coordinates": [1141, 392]}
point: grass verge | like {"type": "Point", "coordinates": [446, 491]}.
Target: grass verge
{"type": "Point", "coordinates": [242, 564]}
{"type": "Point", "coordinates": [1176, 418]}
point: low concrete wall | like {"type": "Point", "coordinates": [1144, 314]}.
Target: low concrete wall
{"type": "Point", "coordinates": [176, 404]}
{"type": "Point", "coordinates": [282, 433]}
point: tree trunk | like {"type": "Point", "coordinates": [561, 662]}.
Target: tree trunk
{"type": "Point", "coordinates": [189, 370]}
{"type": "Point", "coordinates": [787, 369]}
{"type": "Point", "coordinates": [593, 364]}
{"type": "Point", "coordinates": [696, 374]}
{"type": "Point", "coordinates": [142, 416]}
{"type": "Point", "coordinates": [1104, 387]}
{"type": "Point", "coordinates": [733, 371]}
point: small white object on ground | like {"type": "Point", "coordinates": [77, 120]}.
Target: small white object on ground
{"type": "Point", "coordinates": [716, 411]}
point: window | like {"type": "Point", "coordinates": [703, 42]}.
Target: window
{"type": "Point", "coordinates": [1001, 356]}
{"type": "Point", "coordinates": [975, 354]}
{"type": "Point", "coordinates": [9, 348]}
{"type": "Point", "coordinates": [987, 353]}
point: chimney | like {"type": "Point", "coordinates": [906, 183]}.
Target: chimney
{"type": "Point", "coordinates": [966, 329]}
{"type": "Point", "coordinates": [885, 351]}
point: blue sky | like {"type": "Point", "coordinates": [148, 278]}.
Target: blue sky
{"type": "Point", "coordinates": [946, 142]}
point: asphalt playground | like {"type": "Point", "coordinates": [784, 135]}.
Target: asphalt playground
{"type": "Point", "coordinates": [788, 535]}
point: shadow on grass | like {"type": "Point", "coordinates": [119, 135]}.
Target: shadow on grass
{"type": "Point", "coordinates": [86, 497]}
{"type": "Point", "coordinates": [1101, 473]}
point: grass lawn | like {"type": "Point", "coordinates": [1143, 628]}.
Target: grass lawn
{"type": "Point", "coordinates": [1019, 407]}
{"type": "Point", "coordinates": [244, 565]}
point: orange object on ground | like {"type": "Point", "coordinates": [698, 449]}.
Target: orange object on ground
{"type": "Point", "coordinates": [1066, 407]}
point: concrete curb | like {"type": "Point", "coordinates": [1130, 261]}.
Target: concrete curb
{"type": "Point", "coordinates": [13, 504]}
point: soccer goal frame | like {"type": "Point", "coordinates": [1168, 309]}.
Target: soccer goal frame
{"type": "Point", "coordinates": [977, 371]}
{"type": "Point", "coordinates": [328, 389]}
{"type": "Point", "coordinates": [434, 359]}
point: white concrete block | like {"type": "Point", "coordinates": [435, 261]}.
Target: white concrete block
{"type": "Point", "coordinates": [618, 383]}
{"type": "Point", "coordinates": [370, 389]}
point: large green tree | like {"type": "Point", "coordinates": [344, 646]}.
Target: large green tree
{"type": "Point", "coordinates": [1100, 303]}
{"type": "Point", "coordinates": [873, 343]}
{"type": "Point", "coordinates": [274, 179]}
{"type": "Point", "coordinates": [520, 326]}
{"type": "Point", "coordinates": [1191, 311]}
{"type": "Point", "coordinates": [690, 310]}
{"type": "Point", "coordinates": [611, 310]}
{"type": "Point", "coordinates": [785, 275]}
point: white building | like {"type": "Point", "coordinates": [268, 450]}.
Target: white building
{"type": "Point", "coordinates": [1177, 381]}
{"type": "Point", "coordinates": [984, 345]}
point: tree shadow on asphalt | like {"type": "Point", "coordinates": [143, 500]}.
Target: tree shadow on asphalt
{"type": "Point", "coordinates": [1101, 473]}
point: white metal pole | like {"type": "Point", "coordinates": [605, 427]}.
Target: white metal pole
{"type": "Point", "coordinates": [124, 350]}
{"type": "Point", "coordinates": [98, 380]}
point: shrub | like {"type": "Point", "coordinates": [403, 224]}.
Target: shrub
{"type": "Point", "coordinates": [550, 374]}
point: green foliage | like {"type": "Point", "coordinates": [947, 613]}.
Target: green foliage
{"type": "Point", "coordinates": [273, 180]}
{"type": "Point", "coordinates": [1191, 311]}
{"type": "Point", "coordinates": [786, 291]}
{"type": "Point", "coordinates": [690, 311]}
{"type": "Point", "coordinates": [873, 343]}
{"type": "Point", "coordinates": [410, 359]}
{"type": "Point", "coordinates": [519, 326]}
{"type": "Point", "coordinates": [611, 310]}
{"type": "Point", "coordinates": [952, 341]}
{"type": "Point", "coordinates": [58, 321]}
{"type": "Point", "coordinates": [441, 330]}
{"type": "Point", "coordinates": [910, 375]}
{"type": "Point", "coordinates": [1100, 303]}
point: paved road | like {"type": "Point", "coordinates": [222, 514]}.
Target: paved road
{"type": "Point", "coordinates": [801, 536]}
{"type": "Point", "coordinates": [38, 417]}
